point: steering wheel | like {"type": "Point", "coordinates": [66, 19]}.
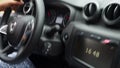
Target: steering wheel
{"type": "Point", "coordinates": [23, 33]}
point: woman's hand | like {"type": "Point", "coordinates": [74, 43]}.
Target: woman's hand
{"type": "Point", "coordinates": [9, 3]}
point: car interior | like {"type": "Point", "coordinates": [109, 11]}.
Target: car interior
{"type": "Point", "coordinates": [62, 33]}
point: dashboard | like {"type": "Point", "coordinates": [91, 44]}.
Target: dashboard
{"type": "Point", "coordinates": [93, 35]}
{"type": "Point", "coordinates": [85, 32]}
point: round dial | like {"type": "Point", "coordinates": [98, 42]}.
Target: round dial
{"type": "Point", "coordinates": [50, 17]}
{"type": "Point", "coordinates": [66, 18]}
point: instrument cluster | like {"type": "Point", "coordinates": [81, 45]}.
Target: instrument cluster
{"type": "Point", "coordinates": [57, 16]}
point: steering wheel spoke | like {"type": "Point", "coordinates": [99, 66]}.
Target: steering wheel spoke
{"type": "Point", "coordinates": [3, 29]}
{"type": "Point", "coordinates": [10, 52]}
{"type": "Point", "coordinates": [8, 49]}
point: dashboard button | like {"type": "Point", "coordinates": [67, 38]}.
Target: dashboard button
{"type": "Point", "coordinates": [95, 37]}
{"type": "Point", "coordinates": [110, 42]}
{"type": "Point", "coordinates": [106, 41]}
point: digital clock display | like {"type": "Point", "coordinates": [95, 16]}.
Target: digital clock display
{"type": "Point", "coordinates": [93, 53]}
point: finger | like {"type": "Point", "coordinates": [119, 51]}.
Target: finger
{"type": "Point", "coordinates": [21, 1]}
{"type": "Point", "coordinates": [14, 7]}
{"type": "Point", "coordinates": [17, 2]}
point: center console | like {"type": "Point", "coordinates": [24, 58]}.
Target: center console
{"type": "Point", "coordinates": [90, 46]}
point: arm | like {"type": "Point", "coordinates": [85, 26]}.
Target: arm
{"type": "Point", "coordinates": [9, 3]}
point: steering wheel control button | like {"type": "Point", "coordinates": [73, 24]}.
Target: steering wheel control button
{"type": "Point", "coordinates": [12, 27]}
{"type": "Point", "coordinates": [65, 37]}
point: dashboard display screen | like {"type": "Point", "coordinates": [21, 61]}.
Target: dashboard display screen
{"type": "Point", "coordinates": [92, 53]}
{"type": "Point", "coordinates": [59, 20]}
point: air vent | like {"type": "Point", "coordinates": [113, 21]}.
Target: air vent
{"type": "Point", "coordinates": [111, 14]}
{"type": "Point", "coordinates": [91, 12]}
